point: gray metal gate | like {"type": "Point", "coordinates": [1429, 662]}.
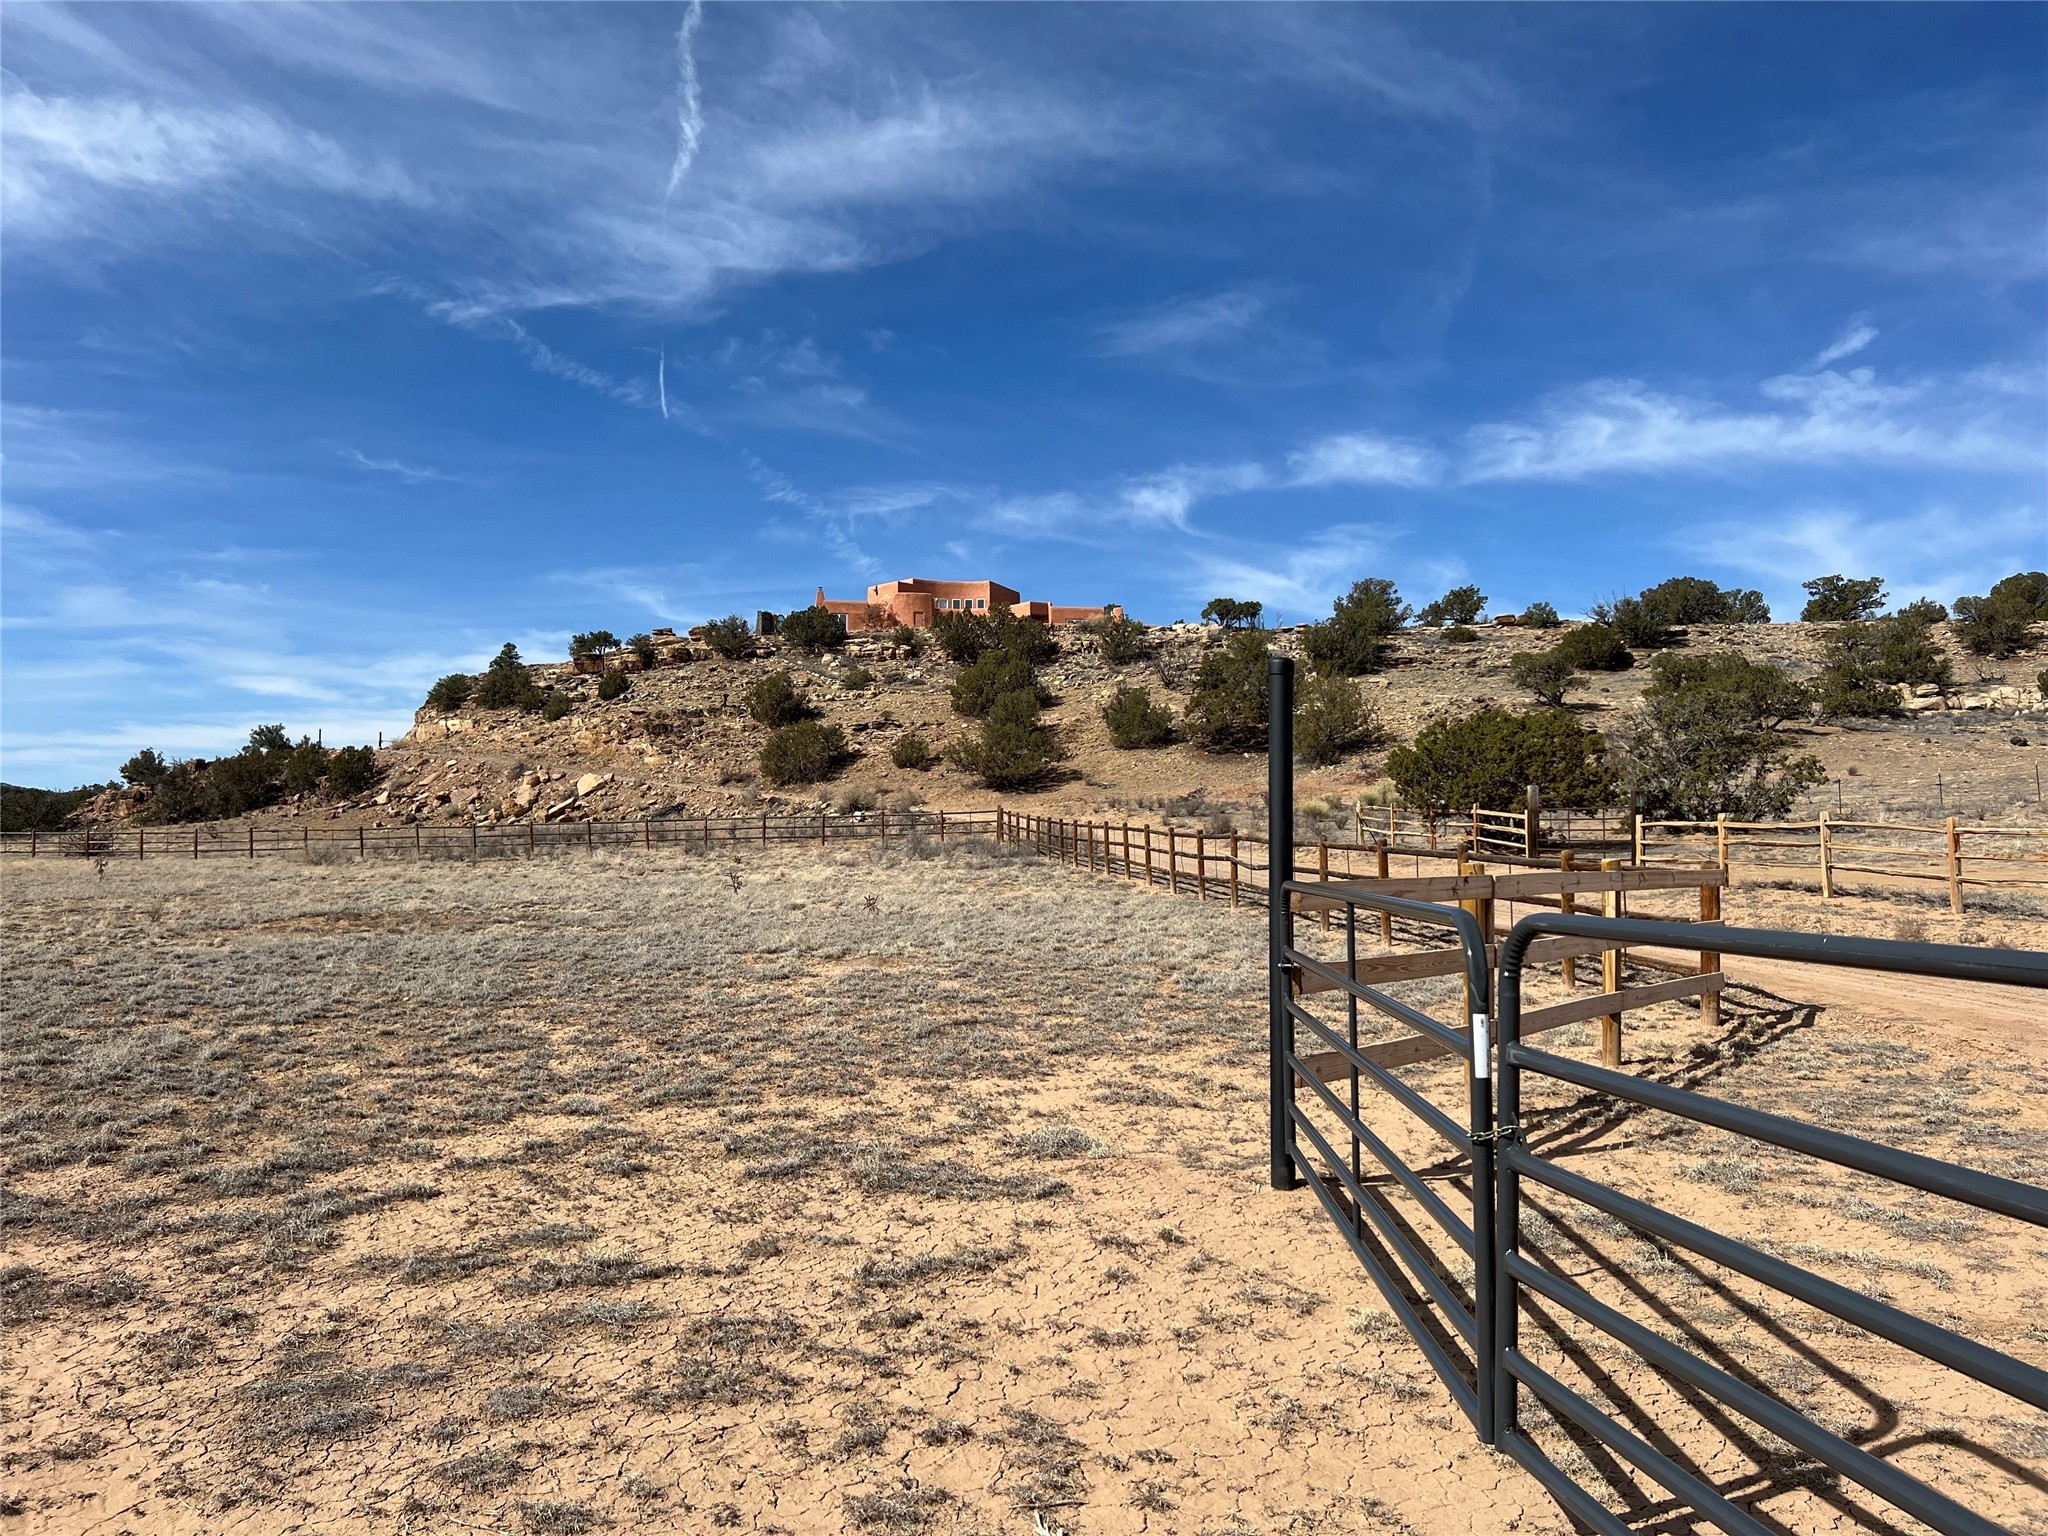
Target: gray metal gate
{"type": "Point", "coordinates": [1460, 1287]}
{"type": "Point", "coordinates": [1436, 1276]}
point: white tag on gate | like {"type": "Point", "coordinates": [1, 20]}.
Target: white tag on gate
{"type": "Point", "coordinates": [1482, 1047]}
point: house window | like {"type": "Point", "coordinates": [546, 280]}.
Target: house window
{"type": "Point", "coordinates": [981, 602]}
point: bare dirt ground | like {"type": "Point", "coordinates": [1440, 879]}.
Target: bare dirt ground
{"type": "Point", "coordinates": [877, 1193]}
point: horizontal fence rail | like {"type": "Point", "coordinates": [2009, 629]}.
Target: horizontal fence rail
{"type": "Point", "coordinates": [1209, 866]}
{"type": "Point", "coordinates": [1947, 853]}
{"type": "Point", "coordinates": [481, 840]}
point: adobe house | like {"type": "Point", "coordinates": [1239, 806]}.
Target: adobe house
{"type": "Point", "coordinates": [918, 603]}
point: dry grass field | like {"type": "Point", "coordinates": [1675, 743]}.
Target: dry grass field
{"type": "Point", "coordinates": [917, 1192]}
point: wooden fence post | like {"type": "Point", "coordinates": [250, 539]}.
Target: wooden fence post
{"type": "Point", "coordinates": [1710, 961]}
{"type": "Point", "coordinates": [646, 833]}
{"type": "Point", "coordinates": [1173, 860]}
{"type": "Point", "coordinates": [252, 839]}
{"type": "Point", "coordinates": [1148, 857]}
{"type": "Point", "coordinates": [1721, 841]}
{"type": "Point", "coordinates": [1323, 873]}
{"type": "Point", "coordinates": [1201, 869]}
{"type": "Point", "coordinates": [1475, 835]}
{"type": "Point", "coordinates": [1954, 844]}
{"type": "Point", "coordinates": [942, 826]}
{"type": "Point", "coordinates": [1477, 906]}
{"type": "Point", "coordinates": [1636, 822]}
{"type": "Point", "coordinates": [1386, 918]}
{"type": "Point", "coordinates": [1827, 873]}
{"type": "Point", "coordinates": [1610, 970]}
{"type": "Point", "coordinates": [1532, 822]}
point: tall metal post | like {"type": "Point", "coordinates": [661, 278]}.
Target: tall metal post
{"type": "Point", "coordinates": [1279, 917]}
{"type": "Point", "coordinates": [1505, 1334]}
{"type": "Point", "coordinates": [1484, 1128]}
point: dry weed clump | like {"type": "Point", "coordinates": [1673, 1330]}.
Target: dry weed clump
{"type": "Point", "coordinates": [906, 1191]}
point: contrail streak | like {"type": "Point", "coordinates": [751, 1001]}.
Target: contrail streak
{"type": "Point", "coordinates": [689, 113]}
{"type": "Point", "coordinates": [661, 380]}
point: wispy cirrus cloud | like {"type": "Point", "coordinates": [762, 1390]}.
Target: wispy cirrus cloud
{"type": "Point", "coordinates": [1160, 500]}
{"type": "Point", "coordinates": [1972, 421]}
{"type": "Point", "coordinates": [53, 449]}
{"type": "Point", "coordinates": [1164, 499]}
{"type": "Point", "coordinates": [1305, 577]}
{"type": "Point", "coordinates": [25, 525]}
{"type": "Point", "coordinates": [71, 162]}
{"type": "Point", "coordinates": [1366, 458]}
{"type": "Point", "coordinates": [1937, 551]}
{"type": "Point", "coordinates": [689, 98]}
{"type": "Point", "coordinates": [552, 186]}
{"type": "Point", "coordinates": [1976, 421]}
{"type": "Point", "coordinates": [1183, 324]}
{"type": "Point", "coordinates": [1856, 335]}
{"type": "Point", "coordinates": [411, 474]}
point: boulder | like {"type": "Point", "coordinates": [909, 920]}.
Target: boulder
{"type": "Point", "coordinates": [590, 783]}
{"type": "Point", "coordinates": [524, 796]}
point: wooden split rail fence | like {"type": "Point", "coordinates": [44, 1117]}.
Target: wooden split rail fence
{"type": "Point", "coordinates": [1482, 893]}
{"type": "Point", "coordinates": [1206, 865]}
{"type": "Point", "coordinates": [1231, 866]}
{"type": "Point", "coordinates": [1946, 853]}
{"type": "Point", "coordinates": [479, 840]}
{"type": "Point", "coordinates": [1949, 853]}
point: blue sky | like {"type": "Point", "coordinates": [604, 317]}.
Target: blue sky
{"type": "Point", "coordinates": [343, 344]}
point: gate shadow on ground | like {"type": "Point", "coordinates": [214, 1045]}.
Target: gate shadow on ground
{"type": "Point", "coordinates": [1780, 1469]}
{"type": "Point", "coordinates": [1587, 1249]}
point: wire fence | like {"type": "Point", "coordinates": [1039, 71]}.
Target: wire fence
{"type": "Point", "coordinates": [479, 840]}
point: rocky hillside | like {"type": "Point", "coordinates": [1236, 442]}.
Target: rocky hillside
{"type": "Point", "coordinates": [680, 740]}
